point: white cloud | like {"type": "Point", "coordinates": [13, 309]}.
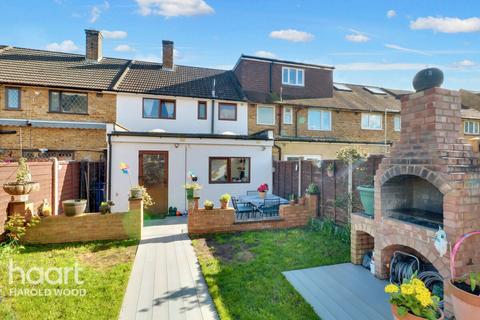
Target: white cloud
{"type": "Point", "coordinates": [97, 10]}
{"type": "Point", "coordinates": [292, 35]}
{"type": "Point", "coordinates": [64, 46]}
{"type": "Point", "coordinates": [266, 54]}
{"type": "Point", "coordinates": [446, 24]}
{"type": "Point", "coordinates": [463, 64]}
{"type": "Point", "coordinates": [391, 13]}
{"type": "Point", "coordinates": [374, 66]}
{"type": "Point", "coordinates": [117, 34]}
{"type": "Point", "coordinates": [357, 37]}
{"type": "Point", "coordinates": [174, 8]}
{"type": "Point", "coordinates": [123, 48]}
{"type": "Point", "coordinates": [399, 48]}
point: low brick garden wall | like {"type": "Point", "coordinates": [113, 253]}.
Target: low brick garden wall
{"type": "Point", "coordinates": [88, 227]}
{"type": "Point", "coordinates": [203, 221]}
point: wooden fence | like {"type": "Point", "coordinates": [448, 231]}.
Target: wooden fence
{"type": "Point", "coordinates": [331, 177]}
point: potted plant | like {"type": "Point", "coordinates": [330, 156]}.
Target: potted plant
{"type": "Point", "coordinates": [412, 300]}
{"type": "Point", "coordinates": [136, 192]}
{"type": "Point", "coordinates": [106, 207]}
{"type": "Point", "coordinates": [262, 190]}
{"type": "Point", "coordinates": [312, 189]}
{"type": "Point", "coordinates": [208, 205]}
{"type": "Point", "coordinates": [464, 291]}
{"type": "Point", "coordinates": [331, 169]}
{"type": "Point", "coordinates": [23, 184]}
{"type": "Point", "coordinates": [367, 195]}
{"type": "Point", "coordinates": [74, 207]}
{"type": "Point", "coordinates": [292, 199]}
{"type": "Point", "coordinates": [224, 199]}
{"type": "Point", "coordinates": [192, 189]}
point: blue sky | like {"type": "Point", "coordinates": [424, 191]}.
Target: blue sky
{"type": "Point", "coordinates": [379, 43]}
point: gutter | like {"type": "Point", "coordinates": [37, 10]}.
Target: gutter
{"type": "Point", "coordinates": [295, 139]}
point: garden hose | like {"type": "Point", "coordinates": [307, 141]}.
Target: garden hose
{"type": "Point", "coordinates": [434, 282]}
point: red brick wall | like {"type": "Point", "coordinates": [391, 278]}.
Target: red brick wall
{"type": "Point", "coordinates": [203, 221]}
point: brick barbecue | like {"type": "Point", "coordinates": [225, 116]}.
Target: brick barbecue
{"type": "Point", "coordinates": [430, 179]}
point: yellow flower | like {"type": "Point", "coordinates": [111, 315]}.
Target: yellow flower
{"type": "Point", "coordinates": [418, 283]}
{"type": "Point", "coordinates": [391, 288]}
{"type": "Point", "coordinates": [425, 300]}
{"type": "Point", "coordinates": [407, 289]}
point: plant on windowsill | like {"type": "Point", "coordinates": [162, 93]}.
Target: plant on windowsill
{"type": "Point", "coordinates": [224, 199]}
{"type": "Point", "coordinates": [208, 205]}
{"type": "Point", "coordinates": [262, 190]}
{"type": "Point", "coordinates": [23, 184]}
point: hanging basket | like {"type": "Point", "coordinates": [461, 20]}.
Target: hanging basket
{"type": "Point", "coordinates": [465, 304]}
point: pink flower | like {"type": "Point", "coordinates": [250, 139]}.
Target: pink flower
{"type": "Point", "coordinates": [263, 188]}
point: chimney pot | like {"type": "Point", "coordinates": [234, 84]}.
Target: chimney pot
{"type": "Point", "coordinates": [167, 54]}
{"type": "Point", "coordinates": [93, 47]}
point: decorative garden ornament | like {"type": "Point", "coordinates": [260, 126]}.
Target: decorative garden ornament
{"type": "Point", "coordinates": [441, 242]}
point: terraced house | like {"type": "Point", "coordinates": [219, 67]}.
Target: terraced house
{"type": "Point", "coordinates": [312, 117]}
{"type": "Point", "coordinates": [57, 104]}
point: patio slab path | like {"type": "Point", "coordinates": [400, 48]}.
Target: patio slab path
{"type": "Point", "coordinates": [342, 291]}
{"type": "Point", "coordinates": [166, 281]}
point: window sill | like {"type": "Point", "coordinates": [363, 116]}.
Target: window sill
{"type": "Point", "coordinates": [471, 134]}
{"type": "Point", "coordinates": [69, 113]}
{"type": "Point", "coordinates": [370, 129]}
{"type": "Point", "coordinates": [148, 118]}
{"type": "Point", "coordinates": [11, 109]}
{"type": "Point", "coordinates": [294, 85]}
{"type": "Point", "coordinates": [319, 129]}
{"type": "Point", "coordinates": [266, 124]}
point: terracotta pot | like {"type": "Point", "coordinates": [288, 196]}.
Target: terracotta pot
{"type": "Point", "coordinates": [74, 207]}
{"type": "Point", "coordinates": [195, 203]}
{"type": "Point", "coordinates": [208, 207]}
{"type": "Point", "coordinates": [18, 189]}
{"type": "Point", "coordinates": [409, 316]}
{"type": "Point", "coordinates": [466, 306]}
{"type": "Point", "coordinates": [291, 202]}
{"type": "Point", "coordinates": [262, 194]}
{"type": "Point", "coordinates": [223, 204]}
{"type": "Point", "coordinates": [301, 201]}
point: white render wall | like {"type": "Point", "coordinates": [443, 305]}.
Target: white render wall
{"type": "Point", "coordinates": [130, 108]}
{"type": "Point", "coordinates": [190, 155]}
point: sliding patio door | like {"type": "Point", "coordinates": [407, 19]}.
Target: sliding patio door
{"type": "Point", "coordinates": [153, 175]}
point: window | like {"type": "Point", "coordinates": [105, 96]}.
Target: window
{"type": "Point", "coordinates": [229, 170]}
{"type": "Point", "coordinates": [227, 111]}
{"type": "Point", "coordinates": [12, 98]}
{"type": "Point", "coordinates": [266, 115]}
{"type": "Point", "coordinates": [159, 109]}
{"type": "Point", "coordinates": [371, 121]}
{"type": "Point", "coordinates": [397, 123]}
{"type": "Point", "coordinates": [293, 76]}
{"type": "Point", "coordinates": [68, 102]}
{"type": "Point", "coordinates": [202, 110]}
{"type": "Point", "coordinates": [319, 120]}
{"type": "Point", "coordinates": [341, 87]}
{"type": "Point", "coordinates": [471, 127]}
{"type": "Point", "coordinates": [375, 90]}
{"type": "Point", "coordinates": [287, 115]}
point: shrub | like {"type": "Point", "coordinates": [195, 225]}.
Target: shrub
{"type": "Point", "coordinates": [16, 227]}
{"type": "Point", "coordinates": [312, 189]}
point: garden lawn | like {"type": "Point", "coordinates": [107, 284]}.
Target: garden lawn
{"type": "Point", "coordinates": [244, 270]}
{"type": "Point", "coordinates": [105, 271]}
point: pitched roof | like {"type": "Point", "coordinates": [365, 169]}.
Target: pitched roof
{"type": "Point", "coordinates": [151, 78]}
{"type": "Point", "coordinates": [56, 69]}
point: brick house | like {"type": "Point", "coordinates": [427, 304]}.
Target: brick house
{"type": "Point", "coordinates": [313, 117]}
{"type": "Point", "coordinates": [57, 104]}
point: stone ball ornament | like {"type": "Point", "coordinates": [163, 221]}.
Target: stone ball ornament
{"type": "Point", "coordinates": [428, 78]}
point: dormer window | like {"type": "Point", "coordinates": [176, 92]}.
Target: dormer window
{"type": "Point", "coordinates": [293, 76]}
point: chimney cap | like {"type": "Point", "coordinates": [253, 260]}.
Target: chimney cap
{"type": "Point", "coordinates": [93, 31]}
{"type": "Point", "coordinates": [167, 42]}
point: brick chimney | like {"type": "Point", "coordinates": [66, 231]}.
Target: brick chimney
{"type": "Point", "coordinates": [93, 48]}
{"type": "Point", "coordinates": [167, 54]}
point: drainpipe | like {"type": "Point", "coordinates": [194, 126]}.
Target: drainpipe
{"type": "Point", "coordinates": [213, 117]}
{"type": "Point", "coordinates": [385, 120]}
{"type": "Point", "coordinates": [279, 151]}
{"type": "Point", "coordinates": [296, 120]}
{"type": "Point", "coordinates": [109, 184]}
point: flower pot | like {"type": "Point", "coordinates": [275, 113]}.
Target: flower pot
{"type": "Point", "coordinates": [466, 306]}
{"type": "Point", "coordinates": [262, 194]}
{"type": "Point", "coordinates": [190, 193]}
{"type": "Point", "coordinates": [195, 203]}
{"type": "Point", "coordinates": [367, 194]}
{"type": "Point", "coordinates": [301, 201]}
{"type": "Point", "coordinates": [74, 207]}
{"type": "Point", "coordinates": [223, 204]}
{"type": "Point", "coordinates": [410, 316]}
{"type": "Point", "coordinates": [136, 193]}
{"type": "Point", "coordinates": [208, 207]}
{"type": "Point", "coordinates": [20, 188]}
{"type": "Point", "coordinates": [291, 202]}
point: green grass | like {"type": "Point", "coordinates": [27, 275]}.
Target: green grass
{"type": "Point", "coordinates": [105, 271]}
{"type": "Point", "coordinates": [243, 270]}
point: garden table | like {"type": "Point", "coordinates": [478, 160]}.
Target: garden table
{"type": "Point", "coordinates": [257, 201]}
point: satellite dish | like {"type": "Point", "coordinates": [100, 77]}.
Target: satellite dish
{"type": "Point", "coordinates": [428, 78]}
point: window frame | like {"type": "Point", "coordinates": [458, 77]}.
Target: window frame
{"type": "Point", "coordinates": [160, 108]}
{"type": "Point", "coordinates": [291, 115]}
{"type": "Point", "coordinates": [297, 70]}
{"type": "Point", "coordinates": [273, 118]}
{"type": "Point", "coordinates": [371, 114]}
{"type": "Point", "coordinates": [19, 107]}
{"type": "Point", "coordinates": [321, 111]}
{"type": "Point", "coordinates": [198, 110]}
{"type": "Point", "coordinates": [229, 170]}
{"type": "Point", "coordinates": [60, 93]}
{"type": "Point", "coordinates": [228, 104]}
{"type": "Point", "coordinates": [395, 129]}
{"type": "Point", "coordinates": [477, 123]}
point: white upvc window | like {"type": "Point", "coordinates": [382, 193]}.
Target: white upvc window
{"type": "Point", "coordinates": [287, 115]}
{"type": "Point", "coordinates": [471, 127]}
{"type": "Point", "coordinates": [266, 115]}
{"type": "Point", "coordinates": [397, 123]}
{"type": "Point", "coordinates": [293, 76]}
{"type": "Point", "coordinates": [371, 121]}
{"type": "Point", "coordinates": [320, 120]}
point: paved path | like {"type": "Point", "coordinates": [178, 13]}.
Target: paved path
{"type": "Point", "coordinates": [166, 281]}
{"type": "Point", "coordinates": [342, 291]}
